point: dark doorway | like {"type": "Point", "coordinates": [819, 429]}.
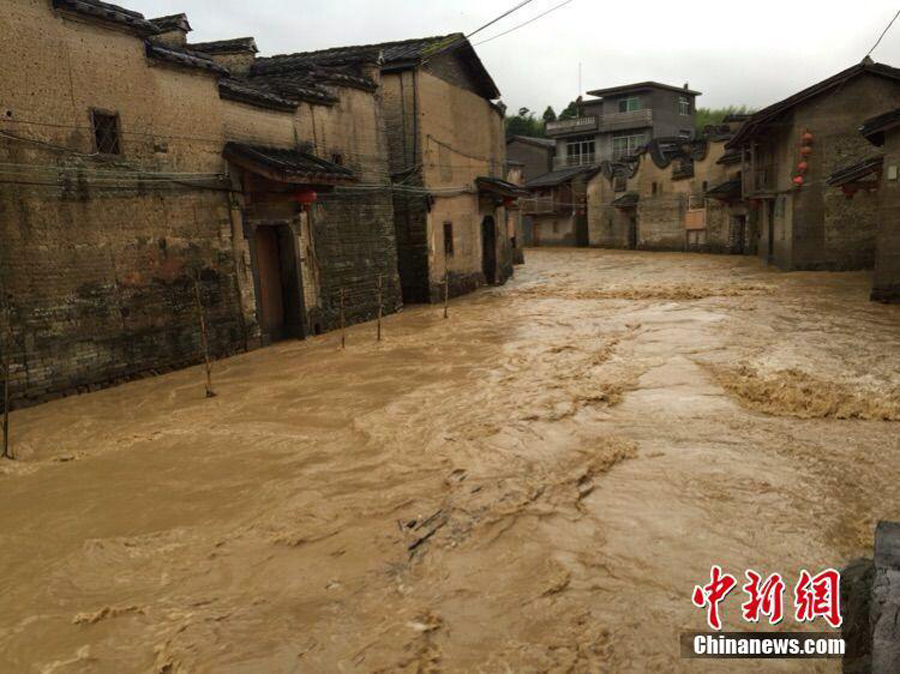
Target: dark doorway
{"type": "Point", "coordinates": [489, 250]}
{"type": "Point", "coordinates": [279, 291]}
{"type": "Point", "coordinates": [738, 234]}
{"type": "Point", "coordinates": [770, 228]}
{"type": "Point", "coordinates": [582, 238]}
{"type": "Point", "coordinates": [632, 233]}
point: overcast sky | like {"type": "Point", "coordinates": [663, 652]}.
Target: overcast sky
{"type": "Point", "coordinates": [752, 53]}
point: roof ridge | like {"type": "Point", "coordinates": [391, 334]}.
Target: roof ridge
{"type": "Point", "coordinates": [374, 45]}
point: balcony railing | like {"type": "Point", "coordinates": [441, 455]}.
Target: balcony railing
{"type": "Point", "coordinates": [566, 126]}
{"type": "Point", "coordinates": [621, 121]}
{"type": "Point", "coordinates": [572, 161]}
{"type": "Point", "coordinates": [538, 205]}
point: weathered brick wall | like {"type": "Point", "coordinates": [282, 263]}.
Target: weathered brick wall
{"type": "Point", "coordinates": [461, 138]}
{"type": "Point", "coordinates": [828, 232]}
{"type": "Point", "coordinates": [99, 262]}
{"type": "Point", "coordinates": [887, 265]}
{"type": "Point", "coordinates": [353, 232]}
{"type": "Point", "coordinates": [536, 160]}
{"type": "Point", "coordinates": [444, 136]}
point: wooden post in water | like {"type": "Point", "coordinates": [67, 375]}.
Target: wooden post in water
{"type": "Point", "coordinates": [380, 303]}
{"type": "Point", "coordinates": [7, 366]}
{"type": "Point", "coordinates": [204, 339]}
{"type": "Point", "coordinates": [447, 295]}
{"type": "Point", "coordinates": [343, 323]}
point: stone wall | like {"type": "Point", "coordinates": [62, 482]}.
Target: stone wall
{"type": "Point", "coordinates": [99, 255]}
{"type": "Point", "coordinates": [887, 265]}
{"type": "Point", "coordinates": [442, 135]}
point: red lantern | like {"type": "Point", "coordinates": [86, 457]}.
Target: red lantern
{"type": "Point", "coordinates": [798, 181]}
{"type": "Point", "coordinates": [508, 201]}
{"type": "Point", "coordinates": [803, 167]}
{"type": "Point", "coordinates": [807, 138]}
{"type": "Point", "coordinates": [848, 191]}
{"type": "Point", "coordinates": [806, 150]}
{"type": "Point", "coordinates": [305, 196]}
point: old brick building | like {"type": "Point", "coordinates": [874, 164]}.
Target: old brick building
{"type": "Point", "coordinates": [447, 159]}
{"type": "Point", "coordinates": [790, 148]}
{"type": "Point", "coordinates": [877, 177]}
{"type": "Point", "coordinates": [134, 165]}
{"type": "Point", "coordinates": [557, 207]}
{"type": "Point", "coordinates": [672, 194]}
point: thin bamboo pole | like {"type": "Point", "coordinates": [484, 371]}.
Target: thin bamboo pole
{"type": "Point", "coordinates": [7, 366]}
{"type": "Point", "coordinates": [343, 323]}
{"type": "Point", "coordinates": [447, 295]}
{"type": "Point", "coordinates": [380, 303]}
{"type": "Point", "coordinates": [204, 339]}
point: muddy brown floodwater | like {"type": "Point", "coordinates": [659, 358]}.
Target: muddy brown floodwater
{"type": "Point", "coordinates": [534, 485]}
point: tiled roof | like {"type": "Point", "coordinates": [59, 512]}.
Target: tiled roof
{"type": "Point", "coordinates": [290, 166]}
{"type": "Point", "coordinates": [733, 156]}
{"type": "Point", "coordinates": [185, 58]}
{"type": "Point", "coordinates": [172, 22]}
{"type": "Point", "coordinates": [753, 125]}
{"type": "Point", "coordinates": [298, 87]}
{"type": "Point", "coordinates": [390, 55]}
{"type": "Point", "coordinates": [233, 46]}
{"type": "Point", "coordinates": [873, 129]}
{"type": "Point", "coordinates": [501, 187]}
{"type": "Point", "coordinates": [545, 143]}
{"type": "Point", "coordinates": [855, 171]}
{"type": "Point", "coordinates": [558, 177]}
{"type": "Point", "coordinates": [106, 12]}
{"type": "Point", "coordinates": [391, 52]}
{"type": "Point", "coordinates": [727, 191]}
{"type": "Point", "coordinates": [245, 91]}
{"type": "Point", "coordinates": [628, 200]}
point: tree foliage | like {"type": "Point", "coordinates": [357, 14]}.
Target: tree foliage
{"type": "Point", "coordinates": [708, 116]}
{"type": "Point", "coordinates": [524, 124]}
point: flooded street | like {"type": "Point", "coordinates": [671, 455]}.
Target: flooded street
{"type": "Point", "coordinates": [536, 484]}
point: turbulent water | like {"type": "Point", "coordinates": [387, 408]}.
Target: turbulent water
{"type": "Point", "coordinates": [535, 484]}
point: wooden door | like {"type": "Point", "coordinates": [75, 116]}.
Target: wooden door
{"type": "Point", "coordinates": [271, 292]}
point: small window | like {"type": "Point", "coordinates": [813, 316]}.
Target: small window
{"type": "Point", "coordinates": [337, 158]}
{"type": "Point", "coordinates": [448, 239]}
{"type": "Point", "coordinates": [629, 104]}
{"type": "Point", "coordinates": [685, 133]}
{"type": "Point", "coordinates": [106, 132]}
{"type": "Point", "coordinates": [655, 188]}
{"type": "Point", "coordinates": [684, 105]}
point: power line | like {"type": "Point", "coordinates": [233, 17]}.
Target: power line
{"type": "Point", "coordinates": [522, 25]}
{"type": "Point", "coordinates": [896, 16]}
{"type": "Point", "coordinates": [499, 18]}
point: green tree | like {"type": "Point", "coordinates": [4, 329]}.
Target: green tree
{"type": "Point", "coordinates": [572, 111]}
{"type": "Point", "coordinates": [524, 124]}
{"type": "Point", "coordinates": [549, 115]}
{"type": "Point", "coordinates": [712, 116]}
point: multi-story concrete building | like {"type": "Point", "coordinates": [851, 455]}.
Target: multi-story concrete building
{"type": "Point", "coordinates": [622, 120]}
